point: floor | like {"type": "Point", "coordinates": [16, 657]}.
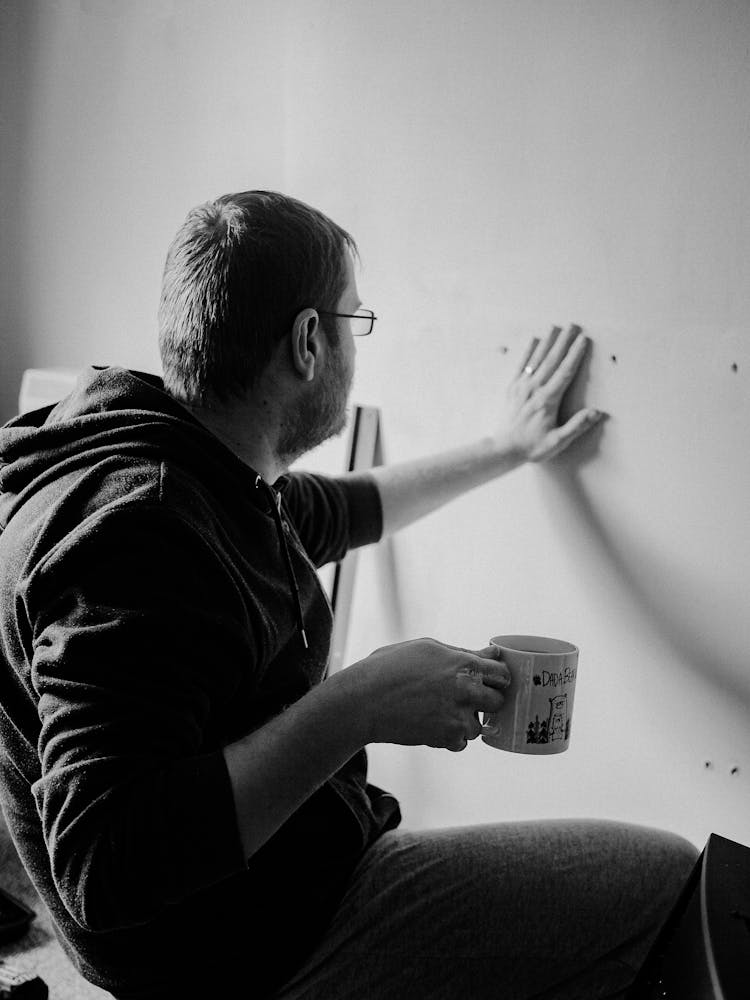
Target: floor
{"type": "Point", "coordinates": [38, 952]}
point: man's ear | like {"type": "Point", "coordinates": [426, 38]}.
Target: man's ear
{"type": "Point", "coordinates": [306, 343]}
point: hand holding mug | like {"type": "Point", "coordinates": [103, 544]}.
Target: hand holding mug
{"type": "Point", "coordinates": [426, 693]}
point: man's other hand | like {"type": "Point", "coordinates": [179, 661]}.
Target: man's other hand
{"type": "Point", "coordinates": [426, 693]}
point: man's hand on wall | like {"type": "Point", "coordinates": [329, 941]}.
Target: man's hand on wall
{"type": "Point", "coordinates": [534, 396]}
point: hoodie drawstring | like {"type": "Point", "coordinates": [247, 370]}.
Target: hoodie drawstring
{"type": "Point", "coordinates": [275, 498]}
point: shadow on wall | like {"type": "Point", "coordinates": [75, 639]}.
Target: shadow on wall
{"type": "Point", "coordinates": [657, 588]}
{"type": "Point", "coordinates": [650, 582]}
{"type": "Point", "coordinates": [390, 591]}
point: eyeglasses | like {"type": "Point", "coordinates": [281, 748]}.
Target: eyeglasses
{"type": "Point", "coordinates": [366, 319]}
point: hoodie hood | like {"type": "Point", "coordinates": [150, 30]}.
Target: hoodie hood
{"type": "Point", "coordinates": [111, 411]}
{"type": "Point", "coordinates": [115, 412]}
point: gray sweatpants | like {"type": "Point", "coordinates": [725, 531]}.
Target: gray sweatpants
{"type": "Point", "coordinates": [560, 910]}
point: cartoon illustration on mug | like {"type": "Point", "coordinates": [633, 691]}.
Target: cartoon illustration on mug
{"type": "Point", "coordinates": [556, 727]}
{"type": "Point", "coordinates": [558, 717]}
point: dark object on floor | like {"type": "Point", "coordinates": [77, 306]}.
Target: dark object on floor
{"type": "Point", "coordinates": [15, 917]}
{"type": "Point", "coordinates": [37, 953]}
{"type": "Point", "coordinates": [17, 985]}
{"type": "Point", "coordinates": [703, 950]}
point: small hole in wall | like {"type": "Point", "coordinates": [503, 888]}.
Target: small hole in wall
{"type": "Point", "coordinates": [734, 366]}
{"type": "Point", "coordinates": [503, 350]}
{"type": "Point", "coordinates": [613, 358]}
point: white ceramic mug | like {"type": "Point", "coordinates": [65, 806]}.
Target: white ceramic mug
{"type": "Point", "coordinates": [536, 716]}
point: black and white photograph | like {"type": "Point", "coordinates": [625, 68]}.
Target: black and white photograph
{"type": "Point", "coordinates": [374, 499]}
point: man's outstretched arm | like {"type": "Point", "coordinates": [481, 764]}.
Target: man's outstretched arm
{"type": "Point", "coordinates": [528, 433]}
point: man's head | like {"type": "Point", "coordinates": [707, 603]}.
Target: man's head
{"type": "Point", "coordinates": [324, 370]}
{"type": "Point", "coordinates": [237, 275]}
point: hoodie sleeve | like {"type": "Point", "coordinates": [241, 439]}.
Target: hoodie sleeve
{"type": "Point", "coordinates": [333, 514]}
{"type": "Point", "coordinates": [138, 639]}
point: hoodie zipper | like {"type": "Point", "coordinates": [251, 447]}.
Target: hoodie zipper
{"type": "Point", "coordinates": [275, 498]}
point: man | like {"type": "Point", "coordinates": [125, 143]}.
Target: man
{"type": "Point", "coordinates": [189, 799]}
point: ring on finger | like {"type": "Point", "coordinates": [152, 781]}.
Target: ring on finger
{"type": "Point", "coordinates": [529, 370]}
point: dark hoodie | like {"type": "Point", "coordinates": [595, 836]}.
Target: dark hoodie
{"type": "Point", "coordinates": [159, 600]}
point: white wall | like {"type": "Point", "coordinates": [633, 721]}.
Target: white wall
{"type": "Point", "coordinates": [504, 166]}
{"type": "Point", "coordinates": [125, 114]}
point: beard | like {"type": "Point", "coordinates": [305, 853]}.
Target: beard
{"type": "Point", "coordinates": [319, 415]}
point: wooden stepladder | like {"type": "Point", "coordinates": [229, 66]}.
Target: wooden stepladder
{"type": "Point", "coordinates": [364, 450]}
